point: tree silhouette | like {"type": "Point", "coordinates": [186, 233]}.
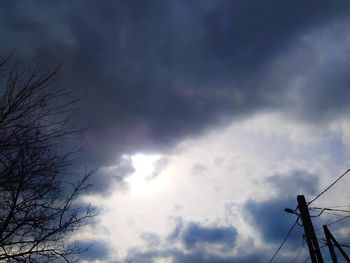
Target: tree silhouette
{"type": "Point", "coordinates": [38, 209]}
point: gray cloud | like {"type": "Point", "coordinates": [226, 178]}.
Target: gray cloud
{"type": "Point", "coordinates": [195, 234]}
{"type": "Point", "coordinates": [151, 239]}
{"type": "Point", "coordinates": [195, 238]}
{"type": "Point", "coordinates": [198, 169]}
{"type": "Point", "coordinates": [159, 167]}
{"type": "Point", "coordinates": [107, 178]}
{"type": "Point", "coordinates": [271, 221]}
{"type": "Point", "coordinates": [269, 218]}
{"type": "Point", "coordinates": [178, 256]}
{"type": "Point", "coordinates": [97, 250]}
{"type": "Point", "coordinates": [294, 183]}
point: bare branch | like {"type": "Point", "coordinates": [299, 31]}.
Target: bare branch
{"type": "Point", "coordinates": [37, 212]}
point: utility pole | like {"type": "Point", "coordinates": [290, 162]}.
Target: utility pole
{"type": "Point", "coordinates": [335, 242]}
{"type": "Point", "coordinates": [330, 244]}
{"type": "Point", "coordinates": [314, 249]}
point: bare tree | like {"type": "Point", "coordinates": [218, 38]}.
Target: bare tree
{"type": "Point", "coordinates": [37, 202]}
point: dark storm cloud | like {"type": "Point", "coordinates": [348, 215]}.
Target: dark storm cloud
{"type": "Point", "coordinates": [157, 71]}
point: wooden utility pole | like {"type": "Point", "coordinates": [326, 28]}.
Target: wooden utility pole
{"type": "Point", "coordinates": [330, 244]}
{"type": "Point", "coordinates": [314, 249]}
{"type": "Point", "coordinates": [335, 242]}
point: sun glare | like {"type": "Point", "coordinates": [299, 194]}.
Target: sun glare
{"type": "Point", "coordinates": [145, 181]}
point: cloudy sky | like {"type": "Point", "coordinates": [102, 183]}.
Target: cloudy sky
{"type": "Point", "coordinates": [207, 118]}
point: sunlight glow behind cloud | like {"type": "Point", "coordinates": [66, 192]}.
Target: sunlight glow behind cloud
{"type": "Point", "coordinates": [143, 182]}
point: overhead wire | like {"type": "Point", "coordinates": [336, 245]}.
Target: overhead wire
{"type": "Point", "coordinates": [336, 221]}
{"type": "Point", "coordinates": [301, 248]}
{"type": "Point", "coordinates": [333, 222]}
{"type": "Point", "coordinates": [327, 188]}
{"type": "Point", "coordinates": [284, 240]}
{"type": "Point", "coordinates": [330, 209]}
{"type": "Point", "coordinates": [296, 221]}
{"type": "Point", "coordinates": [333, 214]}
{"type": "Point", "coordinates": [306, 259]}
{"type": "Point", "coordinates": [338, 206]}
{"type": "Point", "coordinates": [322, 211]}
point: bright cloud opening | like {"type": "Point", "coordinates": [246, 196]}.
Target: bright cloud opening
{"type": "Point", "coordinates": [145, 180]}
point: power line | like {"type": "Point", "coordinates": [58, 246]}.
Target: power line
{"type": "Point", "coordinates": [334, 222]}
{"type": "Point", "coordinates": [333, 214]}
{"type": "Point", "coordinates": [345, 245]}
{"type": "Point", "coordinates": [330, 209]}
{"type": "Point", "coordinates": [306, 259]}
{"type": "Point", "coordinates": [341, 219]}
{"type": "Point", "coordinates": [338, 206]}
{"type": "Point", "coordinates": [284, 240]}
{"type": "Point", "coordinates": [325, 190]}
{"type": "Point", "coordinates": [301, 248]}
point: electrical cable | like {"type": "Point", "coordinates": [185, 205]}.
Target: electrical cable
{"type": "Point", "coordinates": [297, 255]}
{"type": "Point", "coordinates": [341, 219]}
{"type": "Point", "coordinates": [325, 190]}
{"type": "Point", "coordinates": [306, 259]}
{"type": "Point", "coordinates": [344, 245]}
{"type": "Point", "coordinates": [341, 234]}
{"type": "Point", "coordinates": [338, 206]}
{"type": "Point", "coordinates": [333, 214]}
{"type": "Point", "coordinates": [284, 240]}
{"type": "Point", "coordinates": [332, 223]}
{"type": "Point", "coordinates": [330, 209]}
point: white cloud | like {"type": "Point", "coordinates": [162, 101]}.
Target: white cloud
{"type": "Point", "coordinates": [237, 160]}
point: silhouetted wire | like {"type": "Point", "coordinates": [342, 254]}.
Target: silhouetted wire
{"type": "Point", "coordinates": [329, 209]}
{"type": "Point", "coordinates": [333, 214]}
{"type": "Point", "coordinates": [301, 248]}
{"type": "Point", "coordinates": [345, 245]}
{"type": "Point", "coordinates": [338, 206]}
{"type": "Point", "coordinates": [324, 212]}
{"type": "Point", "coordinates": [336, 221]}
{"type": "Point", "coordinates": [342, 240]}
{"type": "Point", "coordinates": [284, 240]}
{"type": "Point", "coordinates": [325, 190]}
{"type": "Point", "coordinates": [338, 254]}
{"type": "Point", "coordinates": [332, 223]}
{"type": "Point", "coordinates": [322, 248]}
{"type": "Point", "coordinates": [306, 259]}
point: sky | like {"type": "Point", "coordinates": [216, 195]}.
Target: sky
{"type": "Point", "coordinates": [206, 119]}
